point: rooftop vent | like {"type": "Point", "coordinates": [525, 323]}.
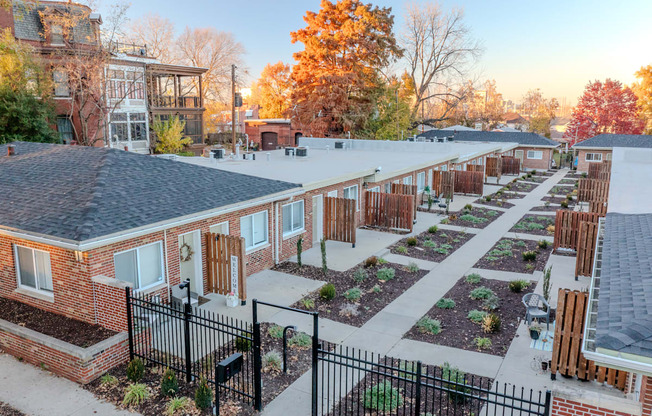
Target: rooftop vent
{"type": "Point", "coordinates": [440, 139]}
{"type": "Point", "coordinates": [218, 153]}
{"type": "Point", "coordinates": [450, 138]}
{"type": "Point", "coordinates": [290, 151]}
{"type": "Point", "coordinates": [11, 150]}
{"type": "Point", "coordinates": [339, 145]}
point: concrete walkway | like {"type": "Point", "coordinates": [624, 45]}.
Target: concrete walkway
{"type": "Point", "coordinates": [40, 393]}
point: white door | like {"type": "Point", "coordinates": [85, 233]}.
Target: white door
{"type": "Point", "coordinates": [317, 218]}
{"type": "Point", "coordinates": [190, 261]}
{"type": "Point", "coordinates": [519, 155]}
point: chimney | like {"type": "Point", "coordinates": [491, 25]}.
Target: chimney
{"type": "Point", "coordinates": [11, 150]}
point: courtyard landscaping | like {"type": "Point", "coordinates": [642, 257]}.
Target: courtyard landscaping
{"type": "Point", "coordinates": [473, 217]}
{"type": "Point", "coordinates": [547, 207]}
{"type": "Point", "coordinates": [535, 224]}
{"type": "Point", "coordinates": [433, 245]}
{"type": "Point", "coordinates": [562, 190]}
{"type": "Point", "coordinates": [476, 314]}
{"type": "Point", "coordinates": [568, 182]}
{"type": "Point", "coordinates": [532, 178]}
{"type": "Point", "coordinates": [493, 201]}
{"type": "Point", "coordinates": [565, 202]}
{"type": "Point", "coordinates": [520, 186]}
{"type": "Point", "coordinates": [506, 194]}
{"type": "Point", "coordinates": [514, 255]}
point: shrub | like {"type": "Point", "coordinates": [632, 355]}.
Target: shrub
{"type": "Point", "coordinates": [546, 283]}
{"type": "Point", "coordinates": [491, 323]}
{"type": "Point", "coordinates": [203, 395]}
{"type": "Point", "coordinates": [534, 172]}
{"type": "Point", "coordinates": [353, 295]}
{"type": "Point", "coordinates": [409, 370]}
{"type": "Point", "coordinates": [308, 303]}
{"type": "Point", "coordinates": [300, 340]}
{"type": "Point", "coordinates": [411, 241]}
{"type": "Point", "coordinates": [428, 243]}
{"type": "Point", "coordinates": [564, 204]}
{"type": "Point", "coordinates": [445, 303]}
{"type": "Point", "coordinates": [481, 293]}
{"type": "Point", "coordinates": [584, 175]}
{"type": "Point", "coordinates": [402, 249]}
{"type": "Point", "coordinates": [468, 207]}
{"type": "Point", "coordinates": [299, 250]}
{"type": "Point", "coordinates": [517, 286]}
{"type": "Point", "coordinates": [135, 394]}
{"type": "Point", "coordinates": [412, 267]}
{"type": "Point", "coordinates": [440, 250]}
{"type": "Point", "coordinates": [487, 198]}
{"type": "Point", "coordinates": [520, 243]}
{"type": "Point", "coordinates": [177, 404]}
{"type": "Point", "coordinates": [550, 229]}
{"type": "Point", "coordinates": [476, 316]}
{"type": "Point", "coordinates": [324, 262]}
{"type": "Point", "coordinates": [275, 331]}
{"type": "Point", "coordinates": [433, 229]}
{"type": "Point", "coordinates": [385, 274]}
{"type": "Point", "coordinates": [529, 267]}
{"type": "Point", "coordinates": [457, 392]}
{"type": "Point", "coordinates": [382, 261]}
{"type": "Point", "coordinates": [242, 343]}
{"type": "Point", "coordinates": [543, 244]}
{"type": "Point", "coordinates": [492, 213]}
{"type": "Point", "coordinates": [473, 219]}
{"type": "Point", "coordinates": [376, 289]}
{"type": "Point", "coordinates": [569, 197]}
{"type": "Point", "coordinates": [491, 303]}
{"type": "Point", "coordinates": [429, 325]}
{"type": "Point", "coordinates": [382, 397]}
{"type": "Point", "coordinates": [135, 370]}
{"type": "Point", "coordinates": [482, 343]}
{"type": "Point", "coordinates": [360, 275]}
{"type": "Point", "coordinates": [473, 278]}
{"type": "Point", "coordinates": [371, 262]}
{"type": "Point", "coordinates": [529, 255]}
{"type": "Point", "coordinates": [272, 362]}
{"type": "Point", "coordinates": [108, 380]}
{"type": "Point", "coordinates": [169, 383]}
{"type": "Point", "coordinates": [327, 292]}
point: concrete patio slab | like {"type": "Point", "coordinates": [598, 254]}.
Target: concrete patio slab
{"type": "Point", "coordinates": [458, 228]}
{"type": "Point", "coordinates": [371, 341]}
{"type": "Point", "coordinates": [329, 330]}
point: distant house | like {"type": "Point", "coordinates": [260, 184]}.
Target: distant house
{"type": "Point", "coordinates": [515, 121]}
{"type": "Point", "coordinates": [600, 147]}
{"type": "Point", "coordinates": [272, 133]}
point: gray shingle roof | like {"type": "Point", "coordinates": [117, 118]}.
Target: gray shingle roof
{"type": "Point", "coordinates": [617, 140]}
{"type": "Point", "coordinates": [625, 299]}
{"type": "Point", "coordinates": [80, 193]}
{"type": "Point", "coordinates": [527, 139]}
{"type": "Point", "coordinates": [28, 24]}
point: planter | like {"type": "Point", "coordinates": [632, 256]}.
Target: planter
{"type": "Point", "coordinates": [232, 301]}
{"type": "Point", "coordinates": [534, 334]}
{"type": "Point", "coordinates": [544, 365]}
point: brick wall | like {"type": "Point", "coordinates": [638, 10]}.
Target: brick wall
{"type": "Point", "coordinates": [583, 164]}
{"type": "Point", "coordinates": [541, 164]}
{"type": "Point", "coordinates": [286, 133]}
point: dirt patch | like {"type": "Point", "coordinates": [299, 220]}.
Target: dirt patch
{"type": "Point", "coordinates": [534, 224]}
{"type": "Point", "coordinates": [573, 175]}
{"type": "Point", "coordinates": [458, 331]}
{"type": "Point", "coordinates": [493, 202]}
{"type": "Point", "coordinates": [75, 332]}
{"type": "Point", "coordinates": [521, 186]}
{"type": "Point", "coordinates": [537, 179]}
{"type": "Point", "coordinates": [558, 200]}
{"type": "Point", "coordinates": [548, 208]}
{"type": "Point", "coordinates": [507, 195]}
{"type": "Point", "coordinates": [432, 246]}
{"type": "Point", "coordinates": [561, 190]}
{"type": "Point", "coordinates": [6, 410]}
{"type": "Point", "coordinates": [542, 173]}
{"type": "Point", "coordinates": [507, 255]}
{"type": "Point", "coordinates": [475, 218]}
{"type": "Point", "coordinates": [568, 182]}
{"type": "Point", "coordinates": [374, 293]}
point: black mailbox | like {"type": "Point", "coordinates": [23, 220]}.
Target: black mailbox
{"type": "Point", "coordinates": [228, 367]}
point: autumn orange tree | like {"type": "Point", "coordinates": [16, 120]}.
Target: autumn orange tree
{"type": "Point", "coordinates": [273, 91]}
{"type": "Point", "coordinates": [643, 90]}
{"type": "Point", "coordinates": [338, 74]}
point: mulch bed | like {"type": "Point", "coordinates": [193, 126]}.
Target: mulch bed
{"type": "Point", "coordinates": [454, 239]}
{"type": "Point", "coordinates": [494, 202]}
{"type": "Point", "coordinates": [6, 410]}
{"type": "Point", "coordinates": [458, 331]}
{"type": "Point", "coordinates": [514, 262]}
{"type": "Point", "coordinates": [567, 182]}
{"type": "Point", "coordinates": [70, 330]}
{"type": "Point", "coordinates": [376, 294]}
{"type": "Point", "coordinates": [557, 200]}
{"type": "Point", "coordinates": [483, 217]}
{"type": "Point", "coordinates": [522, 186]}
{"type": "Point", "coordinates": [530, 224]}
{"type": "Point", "coordinates": [534, 178]}
{"type": "Point", "coordinates": [543, 173]}
{"type": "Point", "coordinates": [573, 175]}
{"type": "Point", "coordinates": [561, 190]}
{"type": "Point", "coordinates": [507, 195]}
{"type": "Point", "coordinates": [549, 208]}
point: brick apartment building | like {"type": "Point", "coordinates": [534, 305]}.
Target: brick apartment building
{"type": "Point", "coordinates": [600, 148]}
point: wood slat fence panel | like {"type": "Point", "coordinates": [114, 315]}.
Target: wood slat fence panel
{"type": "Point", "coordinates": [494, 167]}
{"type": "Point", "coordinates": [586, 239]}
{"type": "Point", "coordinates": [598, 207]}
{"type": "Point", "coordinates": [393, 211]}
{"type": "Point", "coordinates": [600, 171]}
{"type": "Point", "coordinates": [567, 357]}
{"type": "Point", "coordinates": [339, 219]}
{"type": "Point", "coordinates": [567, 225]}
{"type": "Point", "coordinates": [511, 165]}
{"type": "Point", "coordinates": [443, 183]}
{"type": "Point", "coordinates": [399, 188]}
{"type": "Point", "coordinates": [469, 182]}
{"type": "Point", "coordinates": [220, 248]}
{"type": "Point", "coordinates": [592, 190]}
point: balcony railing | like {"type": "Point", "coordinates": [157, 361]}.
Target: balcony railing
{"type": "Point", "coordinates": [128, 48]}
{"type": "Point", "coordinates": [181, 102]}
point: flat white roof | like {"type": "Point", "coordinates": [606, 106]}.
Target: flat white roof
{"type": "Point", "coordinates": [630, 191]}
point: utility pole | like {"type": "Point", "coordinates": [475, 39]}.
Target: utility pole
{"type": "Point", "coordinates": [233, 108]}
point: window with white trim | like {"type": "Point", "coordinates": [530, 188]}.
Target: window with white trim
{"type": "Point", "coordinates": [444, 168]}
{"type": "Point", "coordinates": [141, 266]}
{"type": "Point", "coordinates": [421, 181]}
{"type": "Point", "coordinates": [128, 126]}
{"type": "Point", "coordinates": [594, 157]}
{"type": "Point", "coordinates": [332, 194]}
{"type": "Point", "coordinates": [61, 87]}
{"type": "Point", "coordinates": [388, 188]}
{"type": "Point", "coordinates": [352, 193]}
{"type": "Point", "coordinates": [535, 154]}
{"type": "Point", "coordinates": [220, 228]}
{"type": "Point", "coordinates": [293, 217]}
{"type": "Point", "coordinates": [608, 156]}
{"type": "Point", "coordinates": [33, 269]}
{"type": "Point", "coordinates": [375, 189]}
{"type": "Point", "coordinates": [253, 228]}
{"type": "Point", "coordinates": [407, 180]}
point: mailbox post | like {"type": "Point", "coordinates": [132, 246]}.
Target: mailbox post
{"type": "Point", "coordinates": [224, 371]}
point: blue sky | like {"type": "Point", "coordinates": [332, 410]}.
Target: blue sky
{"type": "Point", "coordinates": [557, 46]}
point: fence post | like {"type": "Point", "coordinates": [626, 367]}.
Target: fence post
{"type": "Point", "coordinates": [546, 409]}
{"type": "Point", "coordinates": [417, 395]}
{"type": "Point", "coordinates": [129, 323]}
{"type": "Point", "coordinates": [315, 361]}
{"type": "Point", "coordinates": [258, 399]}
{"type": "Point", "coordinates": [186, 323]}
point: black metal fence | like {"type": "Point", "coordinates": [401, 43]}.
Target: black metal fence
{"type": "Point", "coordinates": [354, 382]}
{"type": "Point", "coordinates": [192, 341]}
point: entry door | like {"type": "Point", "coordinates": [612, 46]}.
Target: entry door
{"type": "Point", "coordinates": [191, 265]}
{"type": "Point", "coordinates": [317, 218]}
{"type": "Point", "coordinates": [270, 141]}
{"type": "Point", "coordinates": [519, 155]}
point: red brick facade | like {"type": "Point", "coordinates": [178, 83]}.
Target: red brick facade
{"type": "Point", "coordinates": [583, 164]}
{"type": "Point", "coordinates": [542, 164]}
{"type": "Point", "coordinates": [287, 133]}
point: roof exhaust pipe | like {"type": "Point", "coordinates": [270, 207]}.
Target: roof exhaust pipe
{"type": "Point", "coordinates": [11, 150]}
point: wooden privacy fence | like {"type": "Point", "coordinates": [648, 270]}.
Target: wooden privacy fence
{"type": "Point", "coordinates": [598, 207]}
{"type": "Point", "coordinates": [443, 183]}
{"type": "Point", "coordinates": [592, 190]}
{"type": "Point", "coordinates": [339, 219]}
{"type": "Point", "coordinates": [600, 171]}
{"type": "Point", "coordinates": [511, 165]}
{"type": "Point", "coordinates": [567, 358]}
{"type": "Point", "coordinates": [494, 166]}
{"type": "Point", "coordinates": [586, 239]}
{"type": "Point", "coordinates": [567, 226]}
{"type": "Point", "coordinates": [389, 210]}
{"type": "Point", "coordinates": [469, 182]}
{"type": "Point", "coordinates": [226, 265]}
{"type": "Point", "coordinates": [399, 188]}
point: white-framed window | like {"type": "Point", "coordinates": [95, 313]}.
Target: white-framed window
{"type": "Point", "coordinates": [608, 156]}
{"type": "Point", "coordinates": [458, 167]}
{"type": "Point", "coordinates": [407, 180]}
{"type": "Point", "coordinates": [397, 181]}
{"type": "Point", "coordinates": [388, 187]}
{"type": "Point", "coordinates": [594, 157]}
{"type": "Point", "coordinates": [126, 84]}
{"type": "Point", "coordinates": [444, 168]}
{"type": "Point", "coordinates": [220, 228]}
{"type": "Point", "coordinates": [421, 181]}
{"type": "Point", "coordinates": [61, 87]}
{"type": "Point", "coordinates": [141, 266]}
{"type": "Point", "coordinates": [332, 194]}
{"type": "Point", "coordinates": [293, 217]}
{"type": "Point", "coordinates": [351, 192]}
{"type": "Point", "coordinates": [254, 230]}
{"type": "Point", "coordinates": [33, 269]}
{"type": "Point", "coordinates": [535, 154]}
{"type": "Point", "coordinates": [128, 126]}
{"type": "Point", "coordinates": [376, 189]}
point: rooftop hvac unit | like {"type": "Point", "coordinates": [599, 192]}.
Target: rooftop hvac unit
{"type": "Point", "coordinates": [339, 145]}
{"type": "Point", "coordinates": [410, 139]}
{"type": "Point", "coordinates": [218, 153]}
{"type": "Point", "coordinates": [289, 151]}
{"type": "Point", "coordinates": [430, 139]}
{"type": "Point", "coordinates": [440, 140]}
{"type": "Point", "coordinates": [249, 156]}
{"type": "Point", "coordinates": [450, 139]}
{"type": "Point", "coordinates": [302, 151]}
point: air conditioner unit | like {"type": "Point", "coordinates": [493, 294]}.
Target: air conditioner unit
{"type": "Point", "coordinates": [302, 151]}
{"type": "Point", "coordinates": [289, 151]}
{"type": "Point", "coordinates": [440, 140]}
{"type": "Point", "coordinates": [249, 156]}
{"type": "Point", "coordinates": [339, 145]}
{"type": "Point", "coordinates": [218, 153]}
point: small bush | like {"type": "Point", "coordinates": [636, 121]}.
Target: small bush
{"type": "Point", "coordinates": [543, 244]}
{"type": "Point", "coordinates": [429, 325]}
{"type": "Point", "coordinates": [491, 323]}
{"type": "Point", "coordinates": [487, 198]}
{"type": "Point", "coordinates": [385, 274]}
{"type": "Point", "coordinates": [534, 172]}
{"type": "Point", "coordinates": [108, 380]}
{"type": "Point", "coordinates": [135, 394]}
{"type": "Point", "coordinates": [169, 383]}
{"type": "Point", "coordinates": [411, 241]}
{"type": "Point", "coordinates": [468, 207]}
{"type": "Point", "coordinates": [308, 303]}
{"type": "Point", "coordinates": [371, 262]}
{"type": "Point", "coordinates": [491, 303]}
{"type": "Point", "coordinates": [473, 278]}
{"type": "Point", "coordinates": [492, 213]}
{"type": "Point", "coordinates": [242, 343]}
{"type": "Point", "coordinates": [428, 243]}
{"type": "Point", "coordinates": [441, 250]}
{"type": "Point", "coordinates": [517, 286]}
{"type": "Point", "coordinates": [458, 391]}
{"type": "Point", "coordinates": [402, 250]}
{"type": "Point", "coordinates": [327, 292]}
{"type": "Point", "coordinates": [353, 295]}
{"type": "Point", "coordinates": [382, 260]}
{"type": "Point", "coordinates": [529, 255]}
{"type": "Point", "coordinates": [445, 303]}
{"type": "Point", "coordinates": [481, 293]}
{"type": "Point", "coordinates": [433, 229]}
{"type": "Point", "coordinates": [473, 219]}
{"type": "Point", "coordinates": [275, 331]}
{"type": "Point", "coordinates": [135, 370]}
{"type": "Point", "coordinates": [177, 405]}
{"type": "Point", "coordinates": [482, 343]}
{"type": "Point", "coordinates": [412, 267]}
{"type": "Point", "coordinates": [376, 289]}
{"type": "Point", "coordinates": [360, 275]}
{"type": "Point", "coordinates": [324, 258]}
{"type": "Point", "coordinates": [569, 197]}
{"type": "Point", "coordinates": [272, 362]}
{"type": "Point", "coordinates": [300, 340]}
{"type": "Point", "coordinates": [382, 397]}
{"type": "Point", "coordinates": [564, 204]}
{"type": "Point", "coordinates": [476, 316]}
{"type": "Point", "coordinates": [203, 395]}
{"type": "Point", "coordinates": [584, 175]}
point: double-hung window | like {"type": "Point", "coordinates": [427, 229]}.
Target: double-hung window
{"type": "Point", "coordinates": [375, 189]}
{"type": "Point", "coordinates": [254, 229]}
{"type": "Point", "coordinates": [535, 154]}
{"type": "Point", "coordinates": [594, 157]}
{"type": "Point", "coordinates": [293, 217]}
{"type": "Point", "coordinates": [407, 180]}
{"type": "Point", "coordinates": [61, 87]}
{"type": "Point", "coordinates": [352, 193]}
{"type": "Point", "coordinates": [141, 266]}
{"type": "Point", "coordinates": [421, 181]}
{"type": "Point", "coordinates": [388, 187]}
{"type": "Point", "coordinates": [119, 127]}
{"type": "Point", "coordinates": [33, 269]}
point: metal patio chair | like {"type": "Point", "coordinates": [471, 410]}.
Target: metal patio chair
{"type": "Point", "coordinates": [537, 308]}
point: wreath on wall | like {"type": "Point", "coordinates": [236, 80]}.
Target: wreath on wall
{"type": "Point", "coordinates": [185, 252]}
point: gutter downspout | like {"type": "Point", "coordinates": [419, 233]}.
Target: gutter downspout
{"type": "Point", "coordinates": [167, 269]}
{"type": "Point", "coordinates": [276, 236]}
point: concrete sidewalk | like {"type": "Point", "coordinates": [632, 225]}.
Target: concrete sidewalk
{"type": "Point", "coordinates": [40, 393]}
